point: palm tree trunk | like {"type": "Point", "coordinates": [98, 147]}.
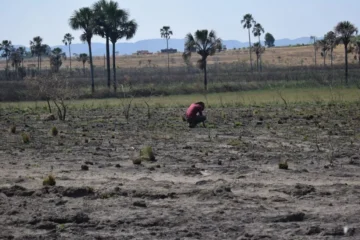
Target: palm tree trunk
{"type": "Point", "coordinates": [205, 76]}
{"type": "Point", "coordinates": [250, 50]}
{"type": "Point", "coordinates": [7, 68]}
{"type": "Point", "coordinates": [260, 55]}
{"type": "Point", "coordinates": [114, 66]}
{"type": "Point", "coordinates": [346, 65]}
{"type": "Point", "coordinates": [167, 47]}
{"type": "Point", "coordinates": [40, 62]}
{"type": "Point", "coordinates": [70, 57]}
{"type": "Point", "coordinates": [324, 59]}
{"type": "Point", "coordinates": [84, 67]}
{"type": "Point", "coordinates": [108, 61]}
{"type": "Point", "coordinates": [92, 68]}
{"type": "Point", "coordinates": [331, 57]}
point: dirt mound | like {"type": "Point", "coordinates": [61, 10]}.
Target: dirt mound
{"type": "Point", "coordinates": [221, 191]}
{"type": "Point", "coordinates": [16, 191]}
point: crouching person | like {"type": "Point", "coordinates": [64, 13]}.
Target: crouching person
{"type": "Point", "coordinates": [194, 114]}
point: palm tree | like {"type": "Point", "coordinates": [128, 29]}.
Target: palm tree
{"type": "Point", "coordinates": [356, 49]}
{"type": "Point", "coordinates": [22, 52]}
{"type": "Point", "coordinates": [38, 49]}
{"type": "Point", "coordinates": [205, 43]}
{"type": "Point", "coordinates": [6, 48]}
{"type": "Point", "coordinates": [258, 50]}
{"type": "Point", "coordinates": [248, 20]}
{"type": "Point", "coordinates": [166, 32]}
{"type": "Point", "coordinates": [15, 58]}
{"type": "Point", "coordinates": [121, 27]}
{"type": "Point", "coordinates": [104, 10]}
{"type": "Point", "coordinates": [345, 30]}
{"type": "Point", "coordinates": [84, 19]}
{"type": "Point", "coordinates": [56, 57]}
{"type": "Point", "coordinates": [331, 41]}
{"type": "Point", "coordinates": [83, 57]}
{"type": "Point", "coordinates": [257, 30]}
{"type": "Point", "coordinates": [324, 48]}
{"type": "Point", "coordinates": [68, 38]}
{"type": "Point", "coordinates": [316, 46]}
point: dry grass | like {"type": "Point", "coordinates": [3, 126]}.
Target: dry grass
{"type": "Point", "coordinates": [279, 56]}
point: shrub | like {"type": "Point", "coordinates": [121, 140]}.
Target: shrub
{"type": "Point", "coordinates": [49, 181]}
{"type": "Point", "coordinates": [147, 153]}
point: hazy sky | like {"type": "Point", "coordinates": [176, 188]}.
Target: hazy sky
{"type": "Point", "coordinates": [23, 19]}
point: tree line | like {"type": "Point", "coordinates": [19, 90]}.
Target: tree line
{"type": "Point", "coordinates": [106, 19]}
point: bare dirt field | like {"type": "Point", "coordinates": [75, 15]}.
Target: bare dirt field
{"type": "Point", "coordinates": [219, 182]}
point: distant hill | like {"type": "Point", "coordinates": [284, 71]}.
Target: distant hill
{"type": "Point", "coordinates": [155, 45]}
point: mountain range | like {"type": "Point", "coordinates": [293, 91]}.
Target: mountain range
{"type": "Point", "coordinates": [155, 45]}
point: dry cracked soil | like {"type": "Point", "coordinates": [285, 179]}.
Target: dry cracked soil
{"type": "Point", "coordinates": [219, 182]}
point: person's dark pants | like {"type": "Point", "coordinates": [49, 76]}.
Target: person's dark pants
{"type": "Point", "coordinates": [196, 120]}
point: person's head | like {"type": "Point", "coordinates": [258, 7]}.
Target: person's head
{"type": "Point", "coordinates": [201, 104]}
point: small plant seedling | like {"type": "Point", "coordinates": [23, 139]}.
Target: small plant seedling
{"type": "Point", "coordinates": [54, 131]}
{"type": "Point", "coordinates": [49, 181]}
{"type": "Point", "coordinates": [147, 153]}
{"type": "Point", "coordinates": [61, 227]}
{"type": "Point", "coordinates": [25, 138]}
{"type": "Point", "coordinates": [283, 165]}
{"type": "Point", "coordinates": [13, 129]}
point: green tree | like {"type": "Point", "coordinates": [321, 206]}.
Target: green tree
{"type": "Point", "coordinates": [205, 43]}
{"type": "Point", "coordinates": [257, 31]}
{"type": "Point", "coordinates": [247, 22]}
{"type": "Point", "coordinates": [269, 40]}
{"type": "Point", "coordinates": [56, 57]}
{"type": "Point", "coordinates": [332, 41]}
{"type": "Point", "coordinates": [68, 38]}
{"type": "Point", "coordinates": [104, 12]}
{"type": "Point", "coordinates": [121, 27]}
{"type": "Point", "coordinates": [345, 30]}
{"type": "Point", "coordinates": [83, 19]}
{"type": "Point", "coordinates": [6, 48]}
{"type": "Point", "coordinates": [83, 57]}
{"type": "Point", "coordinates": [166, 33]}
